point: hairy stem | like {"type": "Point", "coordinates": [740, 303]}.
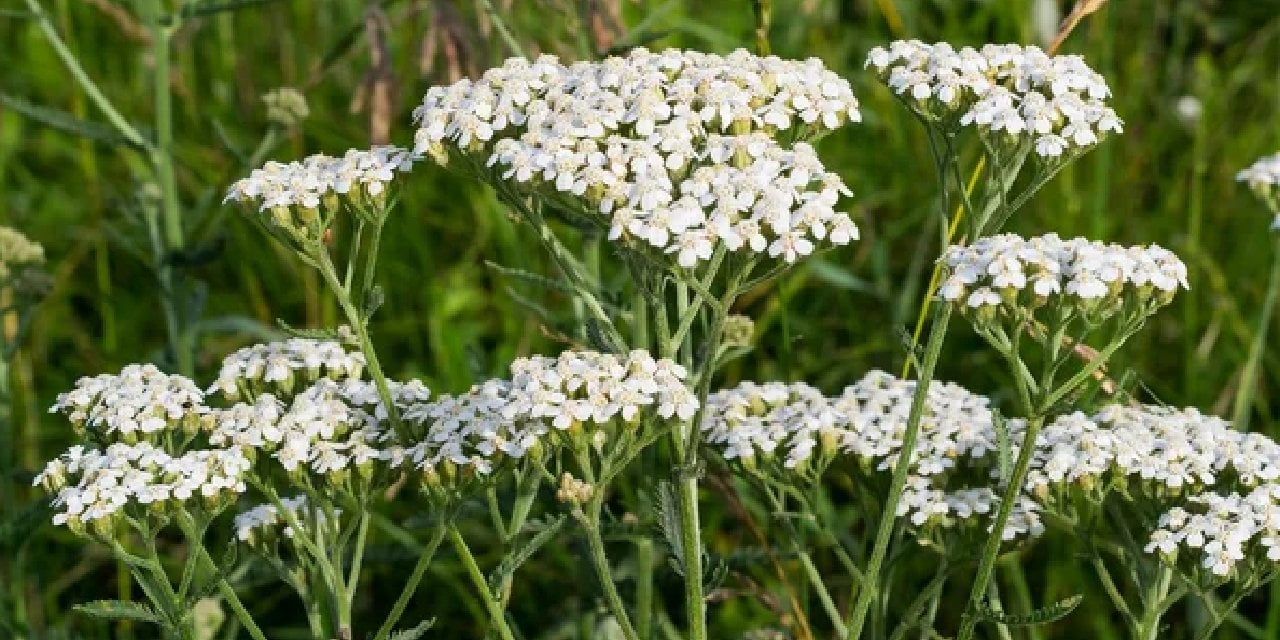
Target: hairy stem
{"type": "Point", "coordinates": [604, 573]}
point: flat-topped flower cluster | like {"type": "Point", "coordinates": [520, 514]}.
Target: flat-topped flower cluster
{"type": "Point", "coordinates": [1057, 103]}
{"type": "Point", "coordinates": [754, 424]}
{"type": "Point", "coordinates": [1009, 269]}
{"type": "Point", "coordinates": [1223, 531]}
{"type": "Point", "coordinates": [89, 486]}
{"type": "Point", "coordinates": [678, 150]}
{"type": "Point", "coordinates": [307, 184]}
{"type": "Point", "coordinates": [133, 405]}
{"type": "Point", "coordinates": [277, 367]}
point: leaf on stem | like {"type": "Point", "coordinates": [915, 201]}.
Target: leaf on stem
{"type": "Point", "coordinates": [415, 632]}
{"type": "Point", "coordinates": [1043, 615]}
{"type": "Point", "coordinates": [119, 610]}
{"type": "Point", "coordinates": [514, 560]}
{"type": "Point", "coordinates": [64, 121]}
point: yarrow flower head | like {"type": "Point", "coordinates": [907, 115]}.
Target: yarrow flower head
{"type": "Point", "coordinates": [957, 437]}
{"type": "Point", "coordinates": [1010, 276]}
{"type": "Point", "coordinates": [1153, 453]}
{"type": "Point", "coordinates": [281, 367]}
{"type": "Point", "coordinates": [264, 524]}
{"type": "Point", "coordinates": [588, 392]}
{"type": "Point", "coordinates": [461, 441]}
{"type": "Point", "coordinates": [139, 403]}
{"type": "Point", "coordinates": [1227, 536]}
{"type": "Point", "coordinates": [301, 198]}
{"type": "Point", "coordinates": [319, 434]}
{"type": "Point", "coordinates": [783, 431]}
{"type": "Point", "coordinates": [1263, 177]}
{"type": "Point", "coordinates": [776, 429]}
{"type": "Point", "coordinates": [91, 486]}
{"type": "Point", "coordinates": [1054, 104]}
{"type": "Point", "coordinates": [676, 152]}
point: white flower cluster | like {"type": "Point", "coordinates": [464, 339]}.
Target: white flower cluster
{"type": "Point", "coordinates": [1223, 530]}
{"type": "Point", "coordinates": [138, 402]}
{"type": "Point", "coordinates": [17, 252]}
{"type": "Point", "coordinates": [1263, 177]}
{"type": "Point", "coordinates": [1164, 451]}
{"type": "Point", "coordinates": [1057, 102]}
{"type": "Point", "coordinates": [319, 432]}
{"type": "Point", "coordinates": [676, 150]}
{"type": "Point", "coordinates": [363, 396]}
{"type": "Point", "coordinates": [999, 269]}
{"type": "Point", "coordinates": [468, 435]}
{"type": "Point", "coordinates": [92, 484]}
{"type": "Point", "coordinates": [790, 421]}
{"type": "Point", "coordinates": [867, 422]}
{"type": "Point", "coordinates": [1263, 174]}
{"type": "Point", "coordinates": [265, 521]}
{"type": "Point", "coordinates": [580, 387]}
{"type": "Point", "coordinates": [957, 433]}
{"type": "Point", "coordinates": [308, 183]}
{"type": "Point", "coordinates": [276, 367]}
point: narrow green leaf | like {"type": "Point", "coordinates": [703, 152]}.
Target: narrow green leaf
{"type": "Point", "coordinates": [64, 121]}
{"type": "Point", "coordinates": [530, 278]}
{"type": "Point", "coordinates": [517, 558]}
{"type": "Point", "coordinates": [119, 610]}
{"type": "Point", "coordinates": [669, 524]}
{"type": "Point", "coordinates": [1003, 447]}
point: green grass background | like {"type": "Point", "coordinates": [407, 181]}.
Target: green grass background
{"type": "Point", "coordinates": [451, 321]}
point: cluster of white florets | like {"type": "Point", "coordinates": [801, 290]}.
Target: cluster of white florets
{"type": "Point", "coordinates": [675, 150]}
{"type": "Point", "coordinates": [265, 522]}
{"type": "Point", "coordinates": [91, 485]}
{"type": "Point", "coordinates": [1157, 452]}
{"type": "Point", "coordinates": [1263, 177]}
{"type": "Point", "coordinates": [579, 388]}
{"type": "Point", "coordinates": [309, 183]}
{"type": "Point", "coordinates": [319, 432]}
{"type": "Point", "coordinates": [280, 367]}
{"type": "Point", "coordinates": [957, 432]}
{"type": "Point", "coordinates": [466, 436]}
{"type": "Point", "coordinates": [1011, 270]}
{"type": "Point", "coordinates": [139, 402]}
{"type": "Point", "coordinates": [363, 395]}
{"type": "Point", "coordinates": [763, 421]}
{"type": "Point", "coordinates": [17, 252]}
{"type": "Point", "coordinates": [1056, 102]}
{"type": "Point", "coordinates": [1223, 530]}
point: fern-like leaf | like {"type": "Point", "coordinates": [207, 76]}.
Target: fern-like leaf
{"type": "Point", "coordinates": [415, 632]}
{"type": "Point", "coordinates": [119, 610]}
{"type": "Point", "coordinates": [1043, 615]}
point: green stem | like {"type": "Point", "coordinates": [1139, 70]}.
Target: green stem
{"type": "Point", "coordinates": [991, 550]}
{"type": "Point", "coordinates": [1248, 377]}
{"type": "Point", "coordinates": [644, 588]}
{"type": "Point", "coordinates": [691, 544]}
{"type": "Point", "coordinates": [357, 557]}
{"type": "Point", "coordinates": [1153, 604]}
{"type": "Point", "coordinates": [233, 600]}
{"type": "Point", "coordinates": [764, 18]}
{"type": "Point", "coordinates": [359, 324]}
{"type": "Point", "coordinates": [604, 573]}
{"type": "Point", "coordinates": [411, 586]}
{"type": "Point", "coordinates": [86, 83]}
{"type": "Point", "coordinates": [869, 588]}
{"type": "Point", "coordinates": [496, 615]}
{"type": "Point", "coordinates": [501, 27]}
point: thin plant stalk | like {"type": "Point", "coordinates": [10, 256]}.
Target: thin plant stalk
{"type": "Point", "coordinates": [497, 617]}
{"type": "Point", "coordinates": [869, 588]}
{"type": "Point", "coordinates": [1248, 376]}
{"type": "Point", "coordinates": [411, 587]}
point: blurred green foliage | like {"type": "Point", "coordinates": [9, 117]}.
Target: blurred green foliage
{"type": "Point", "coordinates": [1197, 81]}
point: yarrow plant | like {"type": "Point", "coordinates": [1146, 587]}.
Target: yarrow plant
{"type": "Point", "coordinates": [1263, 178]}
{"type": "Point", "coordinates": [700, 172]}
